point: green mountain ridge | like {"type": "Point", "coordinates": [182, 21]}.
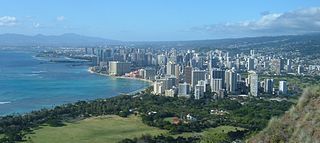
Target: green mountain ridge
{"type": "Point", "coordinates": [300, 124]}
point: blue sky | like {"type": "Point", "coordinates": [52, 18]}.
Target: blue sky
{"type": "Point", "coordinates": [144, 20]}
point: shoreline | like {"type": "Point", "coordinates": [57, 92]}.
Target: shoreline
{"type": "Point", "coordinates": [124, 77]}
{"type": "Point", "coordinates": [14, 105]}
{"type": "Point", "coordinates": [91, 72]}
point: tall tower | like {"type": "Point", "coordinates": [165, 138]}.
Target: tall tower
{"type": "Point", "coordinates": [187, 73]}
{"type": "Point", "coordinates": [216, 85]}
{"type": "Point", "coordinates": [252, 53]}
{"type": "Point", "coordinates": [218, 74]}
{"type": "Point", "coordinates": [268, 85]}
{"type": "Point", "coordinates": [250, 65]}
{"type": "Point", "coordinates": [254, 83]}
{"type": "Point", "coordinates": [171, 68]}
{"type": "Point", "coordinates": [289, 65]}
{"type": "Point", "coordinates": [184, 89]}
{"type": "Point", "coordinates": [232, 82]}
{"type": "Point", "coordinates": [283, 88]}
{"type": "Point", "coordinates": [198, 75]}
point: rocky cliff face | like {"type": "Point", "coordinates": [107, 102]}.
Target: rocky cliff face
{"type": "Point", "coordinates": [301, 124]}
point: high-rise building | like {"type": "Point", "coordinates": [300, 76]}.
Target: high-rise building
{"type": "Point", "coordinates": [203, 83]}
{"type": "Point", "coordinates": [158, 88]}
{"type": "Point", "coordinates": [177, 72]}
{"type": "Point", "coordinates": [171, 68]}
{"type": "Point", "coordinates": [250, 64]}
{"type": "Point", "coordinates": [187, 74]}
{"type": "Point", "coordinates": [231, 81]}
{"type": "Point", "coordinates": [108, 53]}
{"type": "Point", "coordinates": [142, 72]}
{"type": "Point", "coordinates": [213, 62]}
{"type": "Point", "coordinates": [281, 63]}
{"type": "Point", "coordinates": [171, 81]}
{"type": "Point", "coordinates": [268, 86]}
{"type": "Point", "coordinates": [149, 58]}
{"type": "Point", "coordinates": [180, 59]}
{"type": "Point", "coordinates": [184, 89]}
{"type": "Point", "coordinates": [218, 74]}
{"type": "Point", "coordinates": [283, 88]}
{"type": "Point", "coordinates": [86, 50]}
{"type": "Point", "coordinates": [199, 91]}
{"type": "Point", "coordinates": [95, 60]}
{"type": "Point", "coordinates": [289, 66]}
{"type": "Point", "coordinates": [227, 79]}
{"type": "Point", "coordinates": [238, 64]}
{"type": "Point", "coordinates": [216, 85]}
{"type": "Point", "coordinates": [252, 53]}
{"type": "Point", "coordinates": [266, 65]}
{"type": "Point", "coordinates": [100, 55]}
{"type": "Point", "coordinates": [238, 77]}
{"type": "Point", "coordinates": [149, 73]}
{"type": "Point", "coordinates": [162, 59]}
{"type": "Point", "coordinates": [197, 75]}
{"type": "Point", "coordinates": [117, 68]}
{"type": "Point", "coordinates": [92, 51]}
{"type": "Point", "coordinates": [300, 69]}
{"type": "Point", "coordinates": [142, 59]}
{"type": "Point", "coordinates": [254, 83]}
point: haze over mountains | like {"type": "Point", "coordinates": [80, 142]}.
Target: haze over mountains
{"type": "Point", "coordinates": [76, 40]}
{"type": "Point", "coordinates": [68, 39]}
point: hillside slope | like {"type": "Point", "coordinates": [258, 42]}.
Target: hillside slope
{"type": "Point", "coordinates": [300, 124]}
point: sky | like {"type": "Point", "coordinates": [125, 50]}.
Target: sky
{"type": "Point", "coordinates": [160, 20]}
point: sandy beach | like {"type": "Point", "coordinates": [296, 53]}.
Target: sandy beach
{"type": "Point", "coordinates": [123, 77]}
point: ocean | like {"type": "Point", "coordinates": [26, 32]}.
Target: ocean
{"type": "Point", "coordinates": [29, 83]}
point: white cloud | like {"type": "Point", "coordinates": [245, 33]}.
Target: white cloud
{"type": "Point", "coordinates": [8, 21]}
{"type": "Point", "coordinates": [292, 22]}
{"type": "Point", "coordinates": [60, 18]}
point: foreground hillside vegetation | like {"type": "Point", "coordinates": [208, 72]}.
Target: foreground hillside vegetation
{"type": "Point", "coordinates": [113, 129]}
{"type": "Point", "coordinates": [300, 124]}
{"type": "Point", "coordinates": [192, 116]}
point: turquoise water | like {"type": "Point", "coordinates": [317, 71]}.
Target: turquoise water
{"type": "Point", "coordinates": [28, 83]}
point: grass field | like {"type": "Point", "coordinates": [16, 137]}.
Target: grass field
{"type": "Point", "coordinates": [211, 134]}
{"type": "Point", "coordinates": [218, 134]}
{"type": "Point", "coordinates": [220, 129]}
{"type": "Point", "coordinates": [110, 129]}
{"type": "Point", "coordinates": [169, 119]}
{"type": "Point", "coordinates": [106, 129]}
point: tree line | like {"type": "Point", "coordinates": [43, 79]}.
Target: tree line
{"type": "Point", "coordinates": [252, 114]}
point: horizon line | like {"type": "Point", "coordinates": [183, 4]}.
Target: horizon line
{"type": "Point", "coordinates": [224, 38]}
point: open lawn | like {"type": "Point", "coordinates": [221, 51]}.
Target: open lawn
{"type": "Point", "coordinates": [222, 129]}
{"type": "Point", "coordinates": [218, 134]}
{"type": "Point", "coordinates": [105, 129]}
{"type": "Point", "coordinates": [111, 129]}
{"type": "Point", "coordinates": [169, 119]}
{"type": "Point", "coordinates": [210, 133]}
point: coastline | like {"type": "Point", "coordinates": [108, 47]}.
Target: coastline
{"type": "Point", "coordinates": [48, 93]}
{"type": "Point", "coordinates": [123, 77]}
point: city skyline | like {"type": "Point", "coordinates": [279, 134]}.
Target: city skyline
{"type": "Point", "coordinates": [177, 71]}
{"type": "Point", "coordinates": [160, 21]}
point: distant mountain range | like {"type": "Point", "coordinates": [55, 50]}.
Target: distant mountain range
{"type": "Point", "coordinates": [245, 42]}
{"type": "Point", "coordinates": [76, 40]}
{"type": "Point", "coordinates": [68, 39]}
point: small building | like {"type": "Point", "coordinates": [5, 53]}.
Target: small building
{"type": "Point", "coordinates": [169, 92]}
